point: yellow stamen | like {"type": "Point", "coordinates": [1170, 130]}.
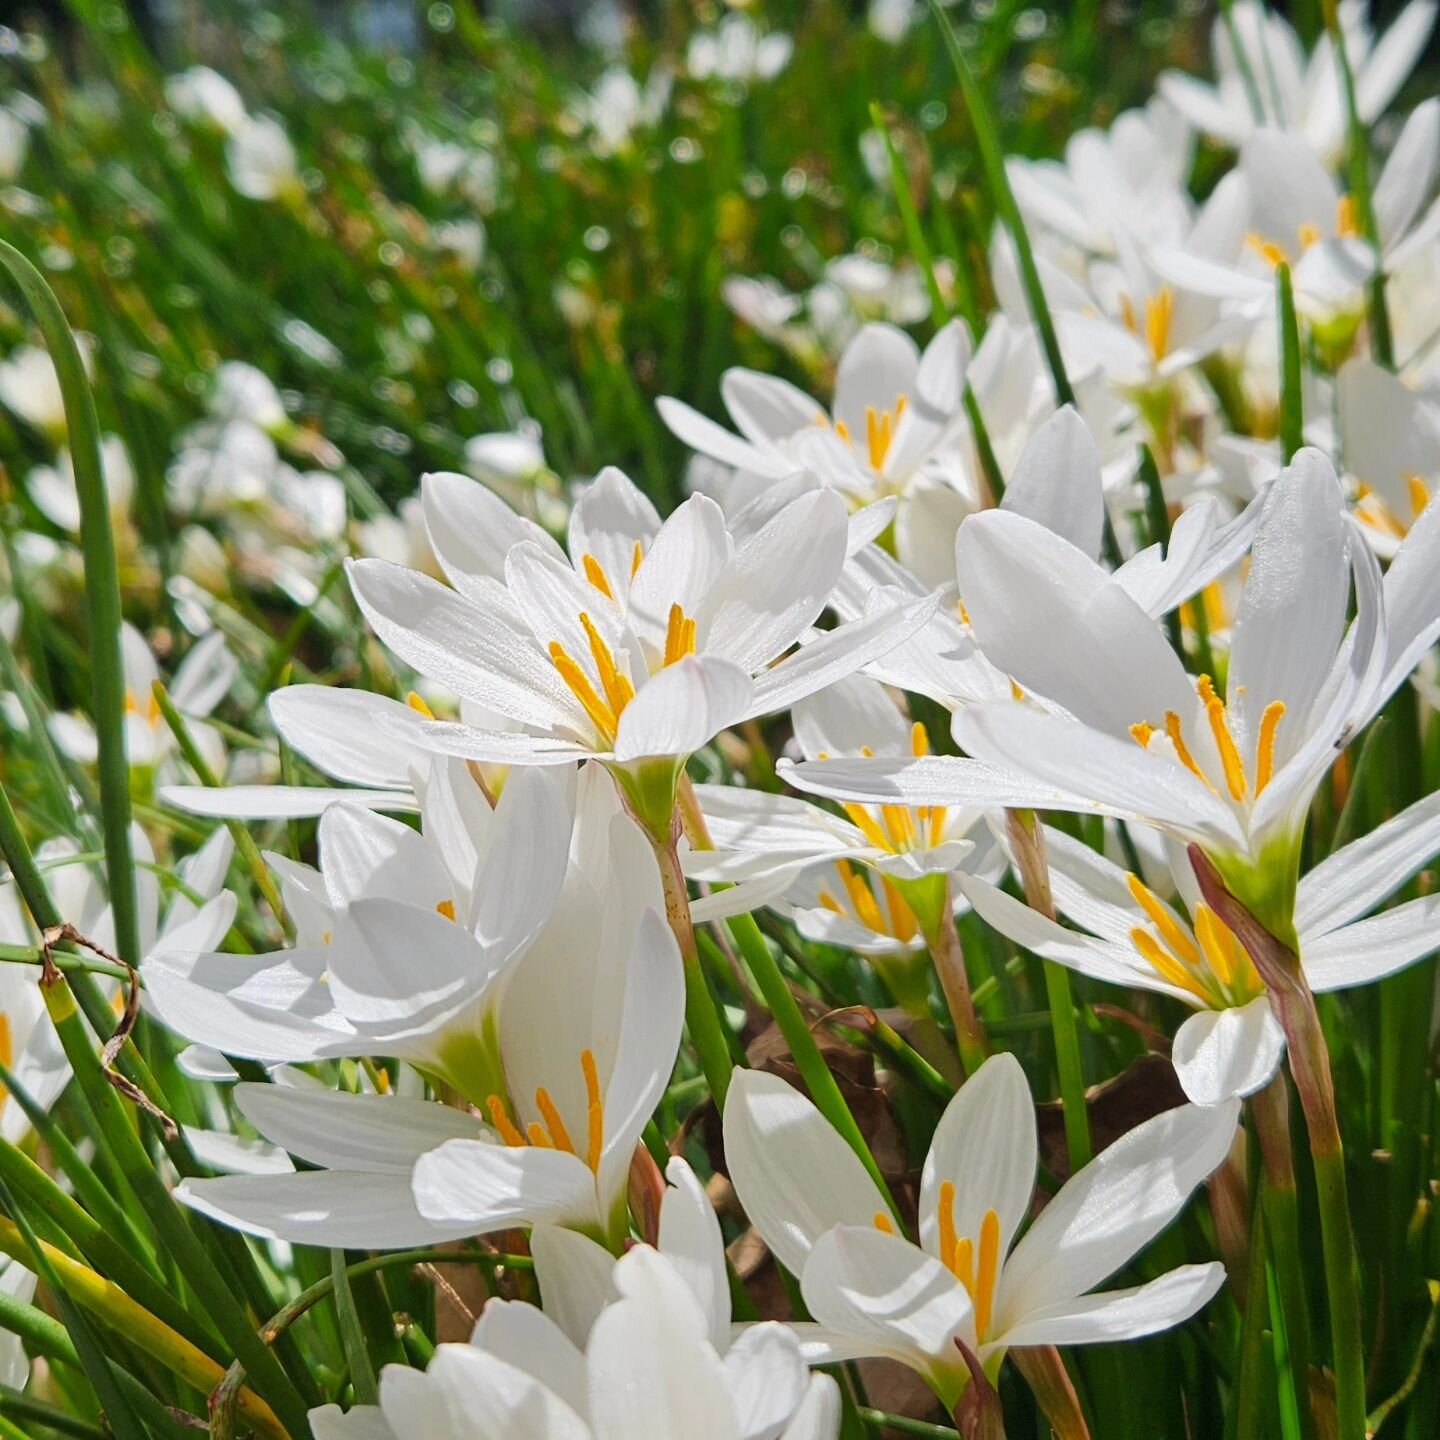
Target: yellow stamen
{"type": "Point", "coordinates": [132, 705]}
{"type": "Point", "coordinates": [964, 1266]}
{"type": "Point", "coordinates": [866, 823]}
{"type": "Point", "coordinates": [919, 741]}
{"type": "Point", "coordinates": [679, 636]}
{"type": "Point", "coordinates": [417, 704]}
{"type": "Point", "coordinates": [1267, 250]}
{"type": "Point", "coordinates": [1140, 733]}
{"type": "Point", "coordinates": [1418, 493]}
{"type": "Point", "coordinates": [949, 1244]}
{"type": "Point", "coordinates": [636, 558]}
{"type": "Point", "coordinates": [601, 716]}
{"type": "Point", "coordinates": [595, 574]}
{"type": "Point", "coordinates": [1347, 218]}
{"type": "Point", "coordinates": [938, 815]}
{"type": "Point", "coordinates": [1127, 314]}
{"type": "Point", "coordinates": [537, 1136]}
{"type": "Point", "coordinates": [843, 431]}
{"type": "Point", "coordinates": [1177, 739]}
{"type": "Point", "coordinates": [1265, 746]}
{"type": "Point", "coordinates": [446, 908]}
{"type": "Point", "coordinates": [1218, 944]}
{"type": "Point", "coordinates": [7, 1052]}
{"type": "Point", "coordinates": [884, 1223]}
{"type": "Point", "coordinates": [901, 825]}
{"type": "Point", "coordinates": [1165, 964]}
{"type": "Point", "coordinates": [862, 898]}
{"type": "Point", "coordinates": [1309, 235]}
{"type": "Point", "coordinates": [903, 923]}
{"type": "Point", "coordinates": [830, 903]}
{"type": "Point", "coordinates": [618, 689]}
{"type": "Point", "coordinates": [1224, 741]}
{"type": "Point", "coordinates": [594, 1111]}
{"type": "Point", "coordinates": [495, 1106]}
{"type": "Point", "coordinates": [1159, 311]}
{"type": "Point", "coordinates": [1170, 929]}
{"type": "Point", "coordinates": [1016, 693]}
{"type": "Point", "coordinates": [382, 1082]}
{"type": "Point", "coordinates": [989, 1270]}
{"type": "Point", "coordinates": [546, 1106]}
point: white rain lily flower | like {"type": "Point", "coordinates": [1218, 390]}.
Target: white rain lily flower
{"type": "Point", "coordinates": [639, 646]}
{"type": "Point", "coordinates": [30, 388]}
{"type": "Point", "coordinates": [894, 407]}
{"type": "Point", "coordinates": [14, 143]}
{"type": "Point", "coordinates": [1390, 444]}
{"type": "Point", "coordinates": [736, 50]}
{"type": "Point", "coordinates": [857, 881]}
{"type": "Point", "coordinates": [877, 291]}
{"type": "Point", "coordinates": [243, 392]}
{"type": "Point", "coordinates": [618, 107]}
{"type": "Point", "coordinates": [873, 1292]}
{"type": "Point", "coordinates": [1129, 180]}
{"type": "Point", "coordinates": [1299, 217]}
{"type": "Point", "coordinates": [1129, 733]}
{"type": "Point", "coordinates": [205, 97]}
{"type": "Point", "coordinates": [891, 20]}
{"type": "Point", "coordinates": [200, 683]}
{"type": "Point", "coordinates": [1232, 1045]}
{"type": "Point", "coordinates": [648, 1369]}
{"type": "Point", "coordinates": [555, 1010]}
{"type": "Point", "coordinates": [52, 487]}
{"type": "Point", "coordinates": [1270, 82]}
{"type": "Point", "coordinates": [198, 911]}
{"type": "Point", "coordinates": [262, 161]}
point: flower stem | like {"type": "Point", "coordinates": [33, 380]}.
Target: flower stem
{"type": "Point", "coordinates": [1294, 1007]}
{"type": "Point", "coordinates": [1027, 840]}
{"type": "Point", "coordinates": [949, 957]}
{"type": "Point", "coordinates": [1270, 1110]}
{"type": "Point", "coordinates": [702, 1016]}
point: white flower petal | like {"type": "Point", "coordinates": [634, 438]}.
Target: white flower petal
{"type": "Point", "coordinates": [1228, 1054]}
{"type": "Point", "coordinates": [472, 1187]}
{"type": "Point", "coordinates": [682, 708]}
{"type": "Point", "coordinates": [1367, 950]}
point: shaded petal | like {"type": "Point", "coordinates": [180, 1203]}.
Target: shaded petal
{"type": "Point", "coordinates": [682, 708]}
{"type": "Point", "coordinates": [472, 1187]}
{"type": "Point", "coordinates": [1371, 949]}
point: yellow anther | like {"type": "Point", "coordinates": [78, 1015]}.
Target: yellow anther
{"type": "Point", "coordinates": [535, 1133]}
{"type": "Point", "coordinates": [7, 1052]}
{"type": "Point", "coordinates": [938, 815]}
{"type": "Point", "coordinates": [679, 636]}
{"type": "Point", "coordinates": [417, 703]}
{"type": "Point", "coordinates": [989, 1271]}
{"type": "Point", "coordinates": [382, 1082]}
{"type": "Point", "coordinates": [949, 1242]}
{"type": "Point", "coordinates": [964, 1266]}
{"type": "Point", "coordinates": [1265, 746]}
{"type": "Point", "coordinates": [880, 426]}
{"type": "Point", "coordinates": [1418, 492]}
{"type": "Point", "coordinates": [546, 1106]}
{"type": "Point", "coordinates": [963, 613]}
{"type": "Point", "coordinates": [843, 431]}
{"type": "Point", "coordinates": [868, 826]}
{"type": "Point", "coordinates": [862, 898]}
{"type": "Point", "coordinates": [1170, 929]}
{"type": "Point", "coordinates": [601, 715]}
{"type": "Point", "coordinates": [919, 741]}
{"type": "Point", "coordinates": [1016, 693]}
{"type": "Point", "coordinates": [830, 903]}
{"type": "Point", "coordinates": [1267, 250]}
{"type": "Point", "coordinates": [132, 705]}
{"type": "Point", "coordinates": [636, 558]}
{"type": "Point", "coordinates": [446, 908]}
{"type": "Point", "coordinates": [1309, 235]}
{"type": "Point", "coordinates": [595, 574]}
{"type": "Point", "coordinates": [884, 1223]}
{"type": "Point", "coordinates": [1177, 739]}
{"type": "Point", "coordinates": [1347, 218]}
{"type": "Point", "coordinates": [327, 937]}
{"type": "Point", "coordinates": [594, 1111]}
{"type": "Point", "coordinates": [618, 689]}
{"type": "Point", "coordinates": [1165, 964]}
{"type": "Point", "coordinates": [903, 924]}
{"type": "Point", "coordinates": [495, 1108]}
{"type": "Point", "coordinates": [1218, 944]}
{"type": "Point", "coordinates": [1127, 314]}
{"type": "Point", "coordinates": [901, 825]}
{"type": "Point", "coordinates": [1159, 312]}
{"type": "Point", "coordinates": [1140, 733]}
{"type": "Point", "coordinates": [1224, 740]}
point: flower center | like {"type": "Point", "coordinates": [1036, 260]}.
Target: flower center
{"type": "Point", "coordinates": [975, 1264]}
{"type": "Point", "coordinates": [861, 903]}
{"type": "Point", "coordinates": [880, 427]}
{"type": "Point", "coordinates": [1233, 768]}
{"type": "Point", "coordinates": [1159, 312]}
{"type": "Point", "coordinates": [151, 712]}
{"type": "Point", "coordinates": [595, 571]}
{"type": "Point", "coordinates": [1212, 965]}
{"type": "Point", "coordinates": [1371, 510]}
{"type": "Point", "coordinates": [550, 1132]}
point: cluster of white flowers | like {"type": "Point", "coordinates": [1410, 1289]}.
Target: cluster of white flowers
{"type": "Point", "coordinates": [1178, 659]}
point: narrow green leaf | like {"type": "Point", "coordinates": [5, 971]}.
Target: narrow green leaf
{"type": "Point", "coordinates": [362, 1372]}
{"type": "Point", "coordinates": [1292, 416]}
